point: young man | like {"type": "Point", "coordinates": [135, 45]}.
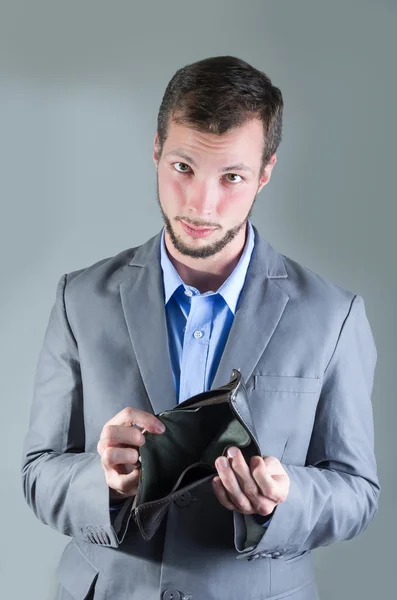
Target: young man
{"type": "Point", "coordinates": [138, 333]}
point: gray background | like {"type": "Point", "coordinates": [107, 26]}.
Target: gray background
{"type": "Point", "coordinates": [81, 84]}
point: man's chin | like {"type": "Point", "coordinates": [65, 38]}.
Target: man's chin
{"type": "Point", "coordinates": [206, 247]}
{"type": "Point", "coordinates": [195, 248]}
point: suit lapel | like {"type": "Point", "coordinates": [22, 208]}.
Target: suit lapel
{"type": "Point", "coordinates": [261, 305]}
{"type": "Point", "coordinates": [142, 297]}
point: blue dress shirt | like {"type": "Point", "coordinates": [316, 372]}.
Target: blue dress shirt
{"type": "Point", "coordinates": [198, 324]}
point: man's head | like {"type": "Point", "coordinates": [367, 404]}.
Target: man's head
{"type": "Point", "coordinates": [218, 129]}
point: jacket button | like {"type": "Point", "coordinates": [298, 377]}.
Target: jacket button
{"type": "Point", "coordinates": [171, 595]}
{"type": "Point", "coordinates": [183, 500]}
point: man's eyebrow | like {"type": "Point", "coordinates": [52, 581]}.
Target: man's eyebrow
{"type": "Point", "coordinates": [189, 159]}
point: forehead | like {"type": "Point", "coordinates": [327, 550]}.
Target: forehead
{"type": "Point", "coordinates": [244, 143]}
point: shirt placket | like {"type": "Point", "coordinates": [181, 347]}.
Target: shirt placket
{"type": "Point", "coordinates": [196, 342]}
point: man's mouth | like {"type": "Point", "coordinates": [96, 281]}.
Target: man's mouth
{"type": "Point", "coordinates": [197, 231]}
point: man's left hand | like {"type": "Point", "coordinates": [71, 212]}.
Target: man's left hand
{"type": "Point", "coordinates": [256, 488]}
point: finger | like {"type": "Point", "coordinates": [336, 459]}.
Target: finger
{"type": "Point", "coordinates": [244, 477]}
{"type": "Point", "coordinates": [131, 415]}
{"type": "Point", "coordinates": [120, 435]}
{"type": "Point", "coordinates": [124, 469]}
{"type": "Point", "coordinates": [267, 484]}
{"type": "Point", "coordinates": [124, 483]}
{"type": "Point", "coordinates": [112, 456]}
{"type": "Point", "coordinates": [232, 486]}
{"type": "Point", "coordinates": [273, 465]}
{"type": "Point", "coordinates": [221, 494]}
{"type": "Point", "coordinates": [260, 504]}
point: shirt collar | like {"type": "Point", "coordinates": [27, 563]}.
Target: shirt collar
{"type": "Point", "coordinates": [229, 290]}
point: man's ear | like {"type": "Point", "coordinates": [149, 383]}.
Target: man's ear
{"type": "Point", "coordinates": [267, 171]}
{"type": "Point", "coordinates": [156, 149]}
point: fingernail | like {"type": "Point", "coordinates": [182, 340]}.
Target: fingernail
{"type": "Point", "coordinates": [223, 463]}
{"type": "Point", "coordinates": [232, 452]}
{"type": "Point", "coordinates": [160, 428]}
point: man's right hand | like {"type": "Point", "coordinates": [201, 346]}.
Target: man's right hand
{"type": "Point", "coordinates": [118, 448]}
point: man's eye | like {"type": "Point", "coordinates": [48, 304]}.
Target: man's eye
{"type": "Point", "coordinates": [181, 163]}
{"type": "Point", "coordinates": [234, 175]}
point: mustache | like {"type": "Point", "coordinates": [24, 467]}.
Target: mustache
{"type": "Point", "coordinates": [196, 223]}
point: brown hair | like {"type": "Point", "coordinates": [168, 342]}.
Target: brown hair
{"type": "Point", "coordinates": [217, 94]}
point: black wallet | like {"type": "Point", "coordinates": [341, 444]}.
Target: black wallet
{"type": "Point", "coordinates": [198, 430]}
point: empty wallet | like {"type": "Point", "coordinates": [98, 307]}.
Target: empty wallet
{"type": "Point", "coordinates": [198, 430]}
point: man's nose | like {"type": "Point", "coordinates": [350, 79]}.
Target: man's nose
{"type": "Point", "coordinates": [202, 199]}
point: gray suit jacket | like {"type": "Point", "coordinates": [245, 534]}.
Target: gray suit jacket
{"type": "Point", "coordinates": [305, 348]}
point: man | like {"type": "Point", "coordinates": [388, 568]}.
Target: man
{"type": "Point", "coordinates": [138, 333]}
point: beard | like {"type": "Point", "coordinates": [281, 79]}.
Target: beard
{"type": "Point", "coordinates": [205, 251]}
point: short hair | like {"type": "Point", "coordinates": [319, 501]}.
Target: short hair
{"type": "Point", "coordinates": [218, 94]}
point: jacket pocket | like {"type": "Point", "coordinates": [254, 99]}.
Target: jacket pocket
{"type": "Point", "coordinates": [75, 573]}
{"type": "Point", "coordinates": [284, 383]}
{"type": "Point", "coordinates": [283, 409]}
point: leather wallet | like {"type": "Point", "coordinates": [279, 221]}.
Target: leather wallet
{"type": "Point", "coordinates": [198, 430]}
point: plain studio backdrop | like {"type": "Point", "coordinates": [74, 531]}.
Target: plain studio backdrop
{"type": "Point", "coordinates": [81, 84]}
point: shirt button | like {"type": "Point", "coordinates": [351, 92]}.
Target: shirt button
{"type": "Point", "coordinates": [189, 293]}
{"type": "Point", "coordinates": [198, 334]}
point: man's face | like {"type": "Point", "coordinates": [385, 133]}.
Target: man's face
{"type": "Point", "coordinates": [209, 182]}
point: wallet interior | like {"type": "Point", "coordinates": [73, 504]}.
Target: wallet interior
{"type": "Point", "coordinates": [195, 437]}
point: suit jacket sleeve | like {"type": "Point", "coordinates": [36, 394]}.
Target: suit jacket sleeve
{"type": "Point", "coordinates": [64, 485]}
{"type": "Point", "coordinates": [334, 496]}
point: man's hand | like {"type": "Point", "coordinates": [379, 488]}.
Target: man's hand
{"type": "Point", "coordinates": [250, 489]}
{"type": "Point", "coordinates": [118, 448]}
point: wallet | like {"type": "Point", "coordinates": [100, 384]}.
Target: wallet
{"type": "Point", "coordinates": [198, 430]}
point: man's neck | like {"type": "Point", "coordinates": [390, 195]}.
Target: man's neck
{"type": "Point", "coordinates": [207, 274]}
